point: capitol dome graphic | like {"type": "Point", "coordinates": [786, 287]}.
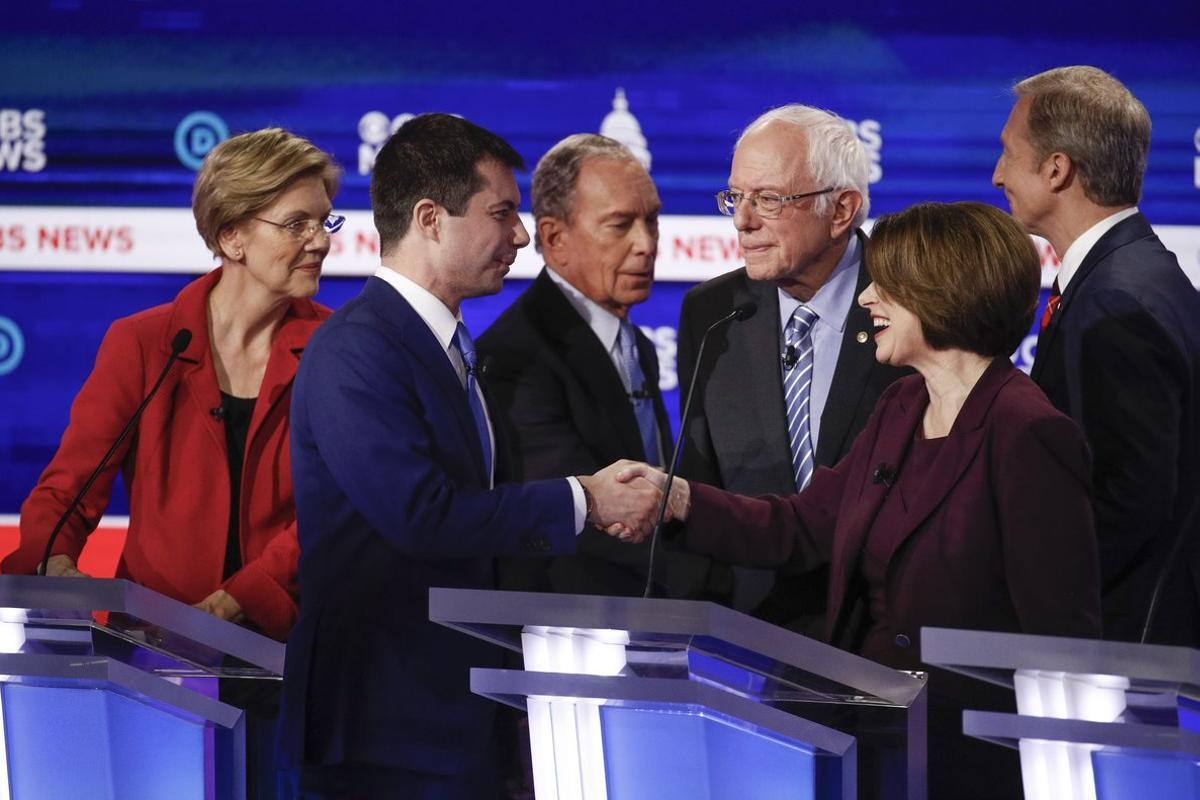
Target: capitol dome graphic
{"type": "Point", "coordinates": [623, 126]}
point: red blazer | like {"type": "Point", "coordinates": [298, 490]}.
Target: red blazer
{"type": "Point", "coordinates": [1000, 537]}
{"type": "Point", "coordinates": [176, 467]}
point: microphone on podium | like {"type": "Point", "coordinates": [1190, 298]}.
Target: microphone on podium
{"type": "Point", "coordinates": [178, 344]}
{"type": "Point", "coordinates": [740, 313]}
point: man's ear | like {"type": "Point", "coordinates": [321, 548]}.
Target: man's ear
{"type": "Point", "coordinates": [427, 219]}
{"type": "Point", "coordinates": [846, 204]}
{"type": "Point", "coordinates": [552, 234]}
{"type": "Point", "coordinates": [1058, 170]}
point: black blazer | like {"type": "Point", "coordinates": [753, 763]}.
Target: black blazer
{"type": "Point", "coordinates": [553, 389]}
{"type": "Point", "coordinates": [1122, 357]}
{"type": "Point", "coordinates": [737, 436]}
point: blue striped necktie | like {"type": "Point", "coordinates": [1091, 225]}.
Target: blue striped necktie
{"type": "Point", "coordinates": [797, 385]}
{"type": "Point", "coordinates": [639, 394]}
{"type": "Point", "coordinates": [466, 348]}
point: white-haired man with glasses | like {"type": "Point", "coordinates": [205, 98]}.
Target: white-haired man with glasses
{"type": "Point", "coordinates": [789, 389]}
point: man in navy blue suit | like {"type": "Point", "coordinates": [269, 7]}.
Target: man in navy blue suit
{"type": "Point", "coordinates": [1119, 349]}
{"type": "Point", "coordinates": [393, 456]}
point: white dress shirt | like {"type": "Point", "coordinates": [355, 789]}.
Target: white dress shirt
{"type": "Point", "coordinates": [1073, 258]}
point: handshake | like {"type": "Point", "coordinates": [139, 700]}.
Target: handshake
{"type": "Point", "coordinates": [624, 499]}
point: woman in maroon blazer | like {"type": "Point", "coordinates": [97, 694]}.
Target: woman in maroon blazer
{"type": "Point", "coordinates": [211, 516]}
{"type": "Point", "coordinates": [964, 503]}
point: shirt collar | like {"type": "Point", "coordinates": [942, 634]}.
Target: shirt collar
{"type": "Point", "coordinates": [433, 311]}
{"type": "Point", "coordinates": [833, 299]}
{"type": "Point", "coordinates": [604, 323]}
{"type": "Point", "coordinates": [1073, 258]}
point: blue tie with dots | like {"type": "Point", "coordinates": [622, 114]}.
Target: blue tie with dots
{"type": "Point", "coordinates": [466, 348]}
{"type": "Point", "coordinates": [797, 384]}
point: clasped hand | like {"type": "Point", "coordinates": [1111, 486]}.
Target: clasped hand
{"type": "Point", "coordinates": [626, 497]}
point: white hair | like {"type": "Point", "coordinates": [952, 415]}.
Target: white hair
{"type": "Point", "coordinates": [835, 155]}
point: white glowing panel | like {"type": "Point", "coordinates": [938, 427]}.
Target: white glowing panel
{"type": "Point", "coordinates": [565, 739]}
{"type": "Point", "coordinates": [1062, 770]}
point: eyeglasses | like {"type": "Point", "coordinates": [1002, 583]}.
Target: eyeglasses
{"type": "Point", "coordinates": [303, 230]}
{"type": "Point", "coordinates": [767, 204]}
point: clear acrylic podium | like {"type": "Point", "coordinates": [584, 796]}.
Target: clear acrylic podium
{"type": "Point", "coordinates": [679, 700]}
{"type": "Point", "coordinates": [1095, 720]}
{"type": "Point", "coordinates": [109, 690]}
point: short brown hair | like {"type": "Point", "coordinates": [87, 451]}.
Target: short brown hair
{"type": "Point", "coordinates": [248, 172]}
{"type": "Point", "coordinates": [1091, 117]}
{"type": "Point", "coordinates": [967, 271]}
{"type": "Point", "coordinates": [434, 156]}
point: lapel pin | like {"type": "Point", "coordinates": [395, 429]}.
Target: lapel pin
{"type": "Point", "coordinates": [862, 337]}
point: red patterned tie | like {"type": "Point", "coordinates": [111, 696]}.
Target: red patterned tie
{"type": "Point", "coordinates": [1051, 306]}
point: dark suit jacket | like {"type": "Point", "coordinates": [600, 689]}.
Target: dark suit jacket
{"type": "Point", "coordinates": [1000, 536]}
{"type": "Point", "coordinates": [391, 500]}
{"type": "Point", "coordinates": [1122, 357]}
{"type": "Point", "coordinates": [564, 410]}
{"type": "Point", "coordinates": [737, 435]}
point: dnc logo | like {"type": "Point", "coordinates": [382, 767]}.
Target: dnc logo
{"type": "Point", "coordinates": [196, 134]}
{"type": "Point", "coordinates": [12, 346]}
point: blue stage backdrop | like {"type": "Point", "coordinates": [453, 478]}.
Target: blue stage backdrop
{"type": "Point", "coordinates": [106, 109]}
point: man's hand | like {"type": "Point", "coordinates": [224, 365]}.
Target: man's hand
{"type": "Point", "coordinates": [680, 503]}
{"type": "Point", "coordinates": [63, 566]}
{"type": "Point", "coordinates": [626, 510]}
{"type": "Point", "coordinates": [222, 606]}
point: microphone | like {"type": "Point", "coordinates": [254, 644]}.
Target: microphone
{"type": "Point", "coordinates": [178, 344]}
{"type": "Point", "coordinates": [742, 312]}
{"type": "Point", "coordinates": [885, 475]}
{"type": "Point", "coordinates": [482, 364]}
{"type": "Point", "coordinates": [789, 357]}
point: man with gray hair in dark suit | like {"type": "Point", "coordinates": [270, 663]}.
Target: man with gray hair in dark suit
{"type": "Point", "coordinates": [789, 389]}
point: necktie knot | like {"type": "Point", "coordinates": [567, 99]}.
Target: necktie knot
{"type": "Point", "coordinates": [1052, 304]}
{"type": "Point", "coordinates": [801, 323]}
{"type": "Point", "coordinates": [466, 347]}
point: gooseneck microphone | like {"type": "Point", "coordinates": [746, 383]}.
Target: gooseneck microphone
{"type": "Point", "coordinates": [182, 339]}
{"type": "Point", "coordinates": [741, 313]}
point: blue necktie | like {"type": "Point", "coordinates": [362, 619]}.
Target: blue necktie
{"type": "Point", "coordinates": [639, 394]}
{"type": "Point", "coordinates": [797, 384]}
{"type": "Point", "coordinates": [466, 348]}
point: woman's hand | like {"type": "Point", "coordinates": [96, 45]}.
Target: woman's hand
{"type": "Point", "coordinates": [63, 566]}
{"type": "Point", "coordinates": [680, 503]}
{"type": "Point", "coordinates": [222, 606]}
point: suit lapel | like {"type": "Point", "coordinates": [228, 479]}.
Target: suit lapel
{"type": "Point", "coordinates": [415, 337]}
{"type": "Point", "coordinates": [588, 361]}
{"type": "Point", "coordinates": [294, 332]}
{"type": "Point", "coordinates": [1125, 232]}
{"type": "Point", "coordinates": [196, 370]}
{"type": "Point", "coordinates": [754, 363]}
{"type": "Point", "coordinates": [958, 450]}
{"type": "Point", "coordinates": [856, 359]}
{"type": "Point", "coordinates": [890, 448]}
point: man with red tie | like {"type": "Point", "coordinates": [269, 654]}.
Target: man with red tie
{"type": "Point", "coordinates": [1119, 350]}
